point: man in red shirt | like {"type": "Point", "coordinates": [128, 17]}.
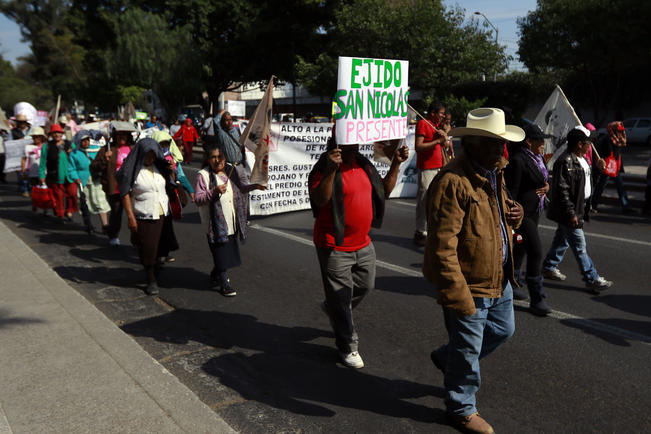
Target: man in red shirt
{"type": "Point", "coordinates": [347, 198]}
{"type": "Point", "coordinates": [189, 136]}
{"type": "Point", "coordinates": [431, 141]}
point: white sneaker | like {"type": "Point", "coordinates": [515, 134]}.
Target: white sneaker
{"type": "Point", "coordinates": [114, 242]}
{"type": "Point", "coordinates": [352, 360]}
{"type": "Point", "coordinates": [599, 285]}
{"type": "Point", "coordinates": [554, 274]}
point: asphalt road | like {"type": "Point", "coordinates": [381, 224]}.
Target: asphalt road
{"type": "Point", "coordinates": [265, 360]}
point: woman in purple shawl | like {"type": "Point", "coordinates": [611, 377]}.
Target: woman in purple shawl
{"type": "Point", "coordinates": [220, 194]}
{"type": "Point", "coordinates": [527, 181]}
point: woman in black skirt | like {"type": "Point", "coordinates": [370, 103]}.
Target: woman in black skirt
{"type": "Point", "coordinates": [220, 194]}
{"type": "Point", "coordinates": [145, 181]}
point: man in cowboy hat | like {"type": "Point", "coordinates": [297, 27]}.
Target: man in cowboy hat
{"type": "Point", "coordinates": [22, 127]}
{"type": "Point", "coordinates": [468, 258]}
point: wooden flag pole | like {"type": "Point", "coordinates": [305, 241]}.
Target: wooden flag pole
{"type": "Point", "coordinates": [56, 112]}
{"type": "Point", "coordinates": [443, 153]}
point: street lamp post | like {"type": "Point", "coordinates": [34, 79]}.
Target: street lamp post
{"type": "Point", "coordinates": [494, 28]}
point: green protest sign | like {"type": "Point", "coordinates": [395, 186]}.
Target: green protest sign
{"type": "Point", "coordinates": [371, 100]}
{"type": "Point", "coordinates": [141, 116]}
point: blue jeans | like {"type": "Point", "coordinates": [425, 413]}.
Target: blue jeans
{"type": "Point", "coordinates": [472, 338]}
{"type": "Point", "coordinates": [565, 237]}
{"type": "Point", "coordinates": [600, 185]}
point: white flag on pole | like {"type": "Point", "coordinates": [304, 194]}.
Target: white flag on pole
{"type": "Point", "coordinates": [557, 118]}
{"type": "Point", "coordinates": [256, 136]}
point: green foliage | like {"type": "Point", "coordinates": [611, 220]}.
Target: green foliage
{"type": "Point", "coordinates": [459, 107]}
{"type": "Point", "coordinates": [14, 89]}
{"type": "Point", "coordinates": [600, 47]}
{"type": "Point", "coordinates": [441, 49]}
{"type": "Point", "coordinates": [133, 94]}
{"type": "Point", "coordinates": [56, 59]}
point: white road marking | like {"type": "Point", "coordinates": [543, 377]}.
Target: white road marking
{"type": "Point", "coordinates": [553, 228]}
{"type": "Point", "coordinates": [583, 322]}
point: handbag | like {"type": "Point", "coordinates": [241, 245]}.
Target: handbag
{"type": "Point", "coordinates": [175, 205]}
{"type": "Point", "coordinates": [42, 197]}
{"type": "Point", "coordinates": [613, 165]}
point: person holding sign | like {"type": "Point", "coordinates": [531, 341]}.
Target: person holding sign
{"type": "Point", "coordinates": [431, 139]}
{"type": "Point", "coordinates": [469, 259]}
{"type": "Point", "coordinates": [347, 198]}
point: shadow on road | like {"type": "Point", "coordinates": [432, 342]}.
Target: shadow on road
{"type": "Point", "coordinates": [637, 304]}
{"type": "Point", "coordinates": [602, 328]}
{"type": "Point", "coordinates": [7, 320]}
{"type": "Point", "coordinates": [281, 368]}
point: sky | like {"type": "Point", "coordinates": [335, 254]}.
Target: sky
{"type": "Point", "coordinates": [502, 13]}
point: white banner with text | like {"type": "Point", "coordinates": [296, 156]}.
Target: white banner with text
{"type": "Point", "coordinates": [293, 150]}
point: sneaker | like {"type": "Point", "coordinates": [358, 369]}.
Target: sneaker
{"type": "Point", "coordinates": [519, 294]}
{"type": "Point", "coordinates": [420, 239]}
{"type": "Point", "coordinates": [473, 423]}
{"type": "Point", "coordinates": [599, 285]}
{"type": "Point", "coordinates": [114, 242]}
{"type": "Point", "coordinates": [554, 274]}
{"type": "Point", "coordinates": [228, 291]}
{"type": "Point", "coordinates": [169, 259]}
{"type": "Point", "coordinates": [151, 289]}
{"type": "Point", "coordinates": [352, 360]}
{"type": "Point", "coordinates": [540, 308]}
{"type": "Point", "coordinates": [25, 194]}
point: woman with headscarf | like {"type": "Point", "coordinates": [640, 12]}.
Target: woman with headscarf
{"type": "Point", "coordinates": [80, 161]}
{"type": "Point", "coordinates": [220, 194]}
{"type": "Point", "coordinates": [145, 180]}
{"type": "Point", "coordinates": [104, 167]}
{"type": "Point", "coordinates": [527, 180]}
{"type": "Point", "coordinates": [173, 156]}
{"type": "Point", "coordinates": [609, 148]}
{"type": "Point", "coordinates": [53, 170]}
{"type": "Point", "coordinates": [189, 136]}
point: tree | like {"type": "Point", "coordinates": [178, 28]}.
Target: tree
{"type": "Point", "coordinates": [56, 60]}
{"type": "Point", "coordinates": [600, 47]}
{"type": "Point", "coordinates": [441, 49]}
{"type": "Point", "coordinates": [14, 88]}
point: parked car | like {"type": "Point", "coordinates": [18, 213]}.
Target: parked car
{"type": "Point", "coordinates": [638, 130]}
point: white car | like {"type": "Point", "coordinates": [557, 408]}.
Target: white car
{"type": "Point", "coordinates": [638, 130]}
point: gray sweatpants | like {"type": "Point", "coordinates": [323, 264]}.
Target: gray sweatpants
{"type": "Point", "coordinates": [425, 178]}
{"type": "Point", "coordinates": [347, 278]}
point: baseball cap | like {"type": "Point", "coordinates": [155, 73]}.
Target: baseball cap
{"type": "Point", "coordinates": [534, 132]}
{"type": "Point", "coordinates": [578, 134]}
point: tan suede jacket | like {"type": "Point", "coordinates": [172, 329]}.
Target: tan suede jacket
{"type": "Point", "coordinates": [463, 253]}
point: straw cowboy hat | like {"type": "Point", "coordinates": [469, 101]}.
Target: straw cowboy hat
{"type": "Point", "coordinates": [488, 122]}
{"type": "Point", "coordinates": [20, 117]}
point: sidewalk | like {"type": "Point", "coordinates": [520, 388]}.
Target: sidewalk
{"type": "Point", "coordinates": [65, 367]}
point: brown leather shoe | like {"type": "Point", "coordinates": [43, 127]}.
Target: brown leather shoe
{"type": "Point", "coordinates": [473, 423]}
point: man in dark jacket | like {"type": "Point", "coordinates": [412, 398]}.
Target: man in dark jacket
{"type": "Point", "coordinates": [347, 197]}
{"type": "Point", "coordinates": [570, 188]}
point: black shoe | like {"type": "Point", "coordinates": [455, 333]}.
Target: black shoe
{"type": "Point", "coordinates": [420, 239]}
{"type": "Point", "coordinates": [435, 359]}
{"type": "Point", "coordinates": [628, 211]}
{"type": "Point", "coordinates": [151, 289]}
{"type": "Point", "coordinates": [519, 294]}
{"type": "Point", "coordinates": [228, 292]}
{"type": "Point", "coordinates": [540, 308]}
